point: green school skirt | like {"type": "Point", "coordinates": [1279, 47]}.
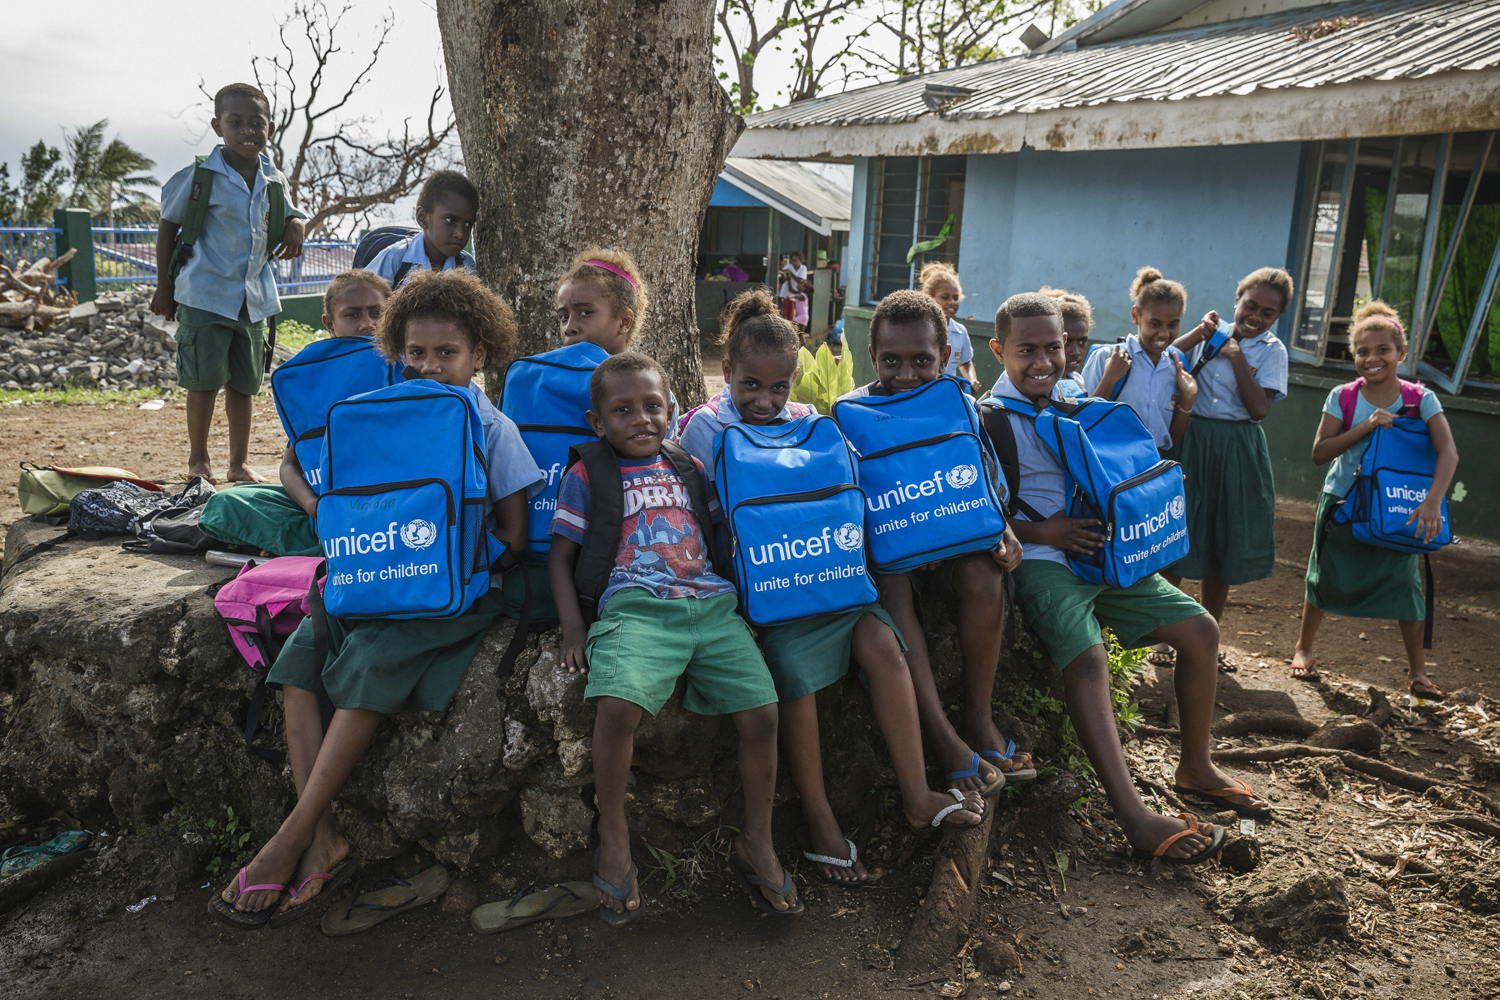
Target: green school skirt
{"type": "Point", "coordinates": [809, 655]}
{"type": "Point", "coordinates": [1349, 578]}
{"type": "Point", "coordinates": [387, 666]}
{"type": "Point", "coordinates": [1231, 499]}
{"type": "Point", "coordinates": [261, 515]}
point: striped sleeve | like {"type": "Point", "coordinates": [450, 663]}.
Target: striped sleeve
{"type": "Point", "coordinates": [571, 520]}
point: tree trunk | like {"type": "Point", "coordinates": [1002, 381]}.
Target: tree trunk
{"type": "Point", "coordinates": [591, 123]}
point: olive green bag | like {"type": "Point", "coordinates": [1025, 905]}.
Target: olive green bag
{"type": "Point", "coordinates": [47, 489]}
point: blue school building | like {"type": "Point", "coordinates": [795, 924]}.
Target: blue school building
{"type": "Point", "coordinates": [1353, 143]}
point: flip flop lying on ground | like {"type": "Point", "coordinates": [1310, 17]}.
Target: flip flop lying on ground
{"type": "Point", "coordinates": [1216, 844]}
{"type": "Point", "coordinates": [973, 772]}
{"type": "Point", "coordinates": [243, 920]}
{"type": "Point", "coordinates": [611, 916]}
{"type": "Point", "coordinates": [804, 844]}
{"type": "Point", "coordinates": [1426, 688]}
{"type": "Point", "coordinates": [1233, 797]}
{"type": "Point", "coordinates": [999, 759]}
{"type": "Point", "coordinates": [29, 869]}
{"type": "Point", "coordinates": [960, 801]}
{"type": "Point", "coordinates": [367, 909]}
{"type": "Point", "coordinates": [1159, 657]}
{"type": "Point", "coordinates": [754, 883]}
{"type": "Point", "coordinates": [567, 899]}
{"type": "Point", "coordinates": [334, 880]}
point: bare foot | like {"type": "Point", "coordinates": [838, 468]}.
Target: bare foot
{"type": "Point", "coordinates": [201, 467]}
{"type": "Point", "coordinates": [1304, 667]}
{"type": "Point", "coordinates": [761, 856]}
{"type": "Point", "coordinates": [272, 865]}
{"type": "Point", "coordinates": [321, 857]}
{"type": "Point", "coordinates": [1147, 833]}
{"type": "Point", "coordinates": [242, 474]}
{"type": "Point", "coordinates": [919, 814]}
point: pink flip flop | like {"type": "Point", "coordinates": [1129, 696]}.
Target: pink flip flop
{"type": "Point", "coordinates": [243, 920]}
{"type": "Point", "coordinates": [333, 881]}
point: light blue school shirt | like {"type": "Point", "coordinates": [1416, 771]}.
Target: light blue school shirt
{"type": "Point", "coordinates": [413, 251]}
{"type": "Point", "coordinates": [698, 429]}
{"type": "Point", "coordinates": [507, 460]}
{"type": "Point", "coordinates": [1343, 469]}
{"type": "Point", "coordinates": [1150, 390]}
{"type": "Point", "coordinates": [1041, 483]}
{"type": "Point", "coordinates": [229, 267]}
{"type": "Point", "coordinates": [963, 347]}
{"type": "Point", "coordinates": [1219, 394]}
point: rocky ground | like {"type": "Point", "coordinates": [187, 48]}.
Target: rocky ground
{"type": "Point", "coordinates": [111, 343]}
{"type": "Point", "coordinates": [1379, 878]}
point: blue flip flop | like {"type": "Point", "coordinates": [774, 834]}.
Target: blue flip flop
{"type": "Point", "coordinates": [973, 772]}
{"type": "Point", "coordinates": [611, 916]}
{"type": "Point", "coordinates": [753, 883]}
{"type": "Point", "coordinates": [998, 758]}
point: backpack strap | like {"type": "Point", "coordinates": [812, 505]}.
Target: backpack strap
{"type": "Point", "coordinates": [697, 487]}
{"type": "Point", "coordinates": [601, 541]}
{"type": "Point", "coordinates": [1411, 396]}
{"type": "Point", "coordinates": [192, 223]}
{"type": "Point", "coordinates": [996, 420]}
{"type": "Point", "coordinates": [1208, 354]}
{"type": "Point", "coordinates": [402, 272]}
{"type": "Point", "coordinates": [1349, 399]}
{"type": "Point", "coordinates": [276, 218]}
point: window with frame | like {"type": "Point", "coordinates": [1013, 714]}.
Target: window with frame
{"type": "Point", "coordinates": [1413, 220]}
{"type": "Point", "coordinates": [915, 198]}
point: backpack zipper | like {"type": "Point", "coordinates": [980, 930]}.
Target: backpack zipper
{"type": "Point", "coordinates": [364, 491]}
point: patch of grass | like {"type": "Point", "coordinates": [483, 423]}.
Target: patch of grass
{"type": "Point", "coordinates": [294, 335]}
{"type": "Point", "coordinates": [681, 876]}
{"type": "Point", "coordinates": [79, 396]}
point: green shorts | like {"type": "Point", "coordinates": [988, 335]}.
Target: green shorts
{"type": "Point", "coordinates": [809, 655]}
{"type": "Point", "coordinates": [215, 351]}
{"type": "Point", "coordinates": [643, 644]}
{"type": "Point", "coordinates": [1065, 612]}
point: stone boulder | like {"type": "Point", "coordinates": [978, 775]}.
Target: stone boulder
{"type": "Point", "coordinates": [123, 704]}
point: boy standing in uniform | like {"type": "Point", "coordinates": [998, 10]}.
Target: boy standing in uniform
{"type": "Point", "coordinates": [224, 291]}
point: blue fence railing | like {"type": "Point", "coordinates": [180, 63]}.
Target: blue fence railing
{"type": "Point", "coordinates": [124, 255]}
{"type": "Point", "coordinates": [28, 241]}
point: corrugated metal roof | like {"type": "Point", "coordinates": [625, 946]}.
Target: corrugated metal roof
{"type": "Point", "coordinates": [816, 201]}
{"type": "Point", "coordinates": [1367, 40]}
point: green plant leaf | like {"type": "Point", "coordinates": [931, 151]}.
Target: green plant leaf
{"type": "Point", "coordinates": [932, 244]}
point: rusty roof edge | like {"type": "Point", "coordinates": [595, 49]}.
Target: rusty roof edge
{"type": "Point", "coordinates": [1362, 108]}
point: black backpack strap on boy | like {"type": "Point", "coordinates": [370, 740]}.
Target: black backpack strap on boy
{"type": "Point", "coordinates": [996, 421]}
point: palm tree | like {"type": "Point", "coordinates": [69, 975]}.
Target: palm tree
{"type": "Point", "coordinates": [107, 175]}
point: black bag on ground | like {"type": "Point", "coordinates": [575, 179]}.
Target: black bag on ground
{"type": "Point", "coordinates": [114, 509]}
{"type": "Point", "coordinates": [173, 530]}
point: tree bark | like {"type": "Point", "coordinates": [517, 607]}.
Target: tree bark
{"type": "Point", "coordinates": [591, 123]}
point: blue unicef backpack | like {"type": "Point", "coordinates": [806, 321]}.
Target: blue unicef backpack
{"type": "Point", "coordinates": [316, 377]}
{"type": "Point", "coordinates": [402, 519]}
{"type": "Point", "coordinates": [547, 395]}
{"type": "Point", "coordinates": [796, 519]}
{"type": "Point", "coordinates": [1113, 475]}
{"type": "Point", "coordinates": [1395, 473]}
{"type": "Point", "coordinates": [927, 472]}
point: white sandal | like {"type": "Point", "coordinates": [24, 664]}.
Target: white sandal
{"type": "Point", "coordinates": [959, 802]}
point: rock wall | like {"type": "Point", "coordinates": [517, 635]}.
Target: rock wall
{"type": "Point", "coordinates": [111, 343]}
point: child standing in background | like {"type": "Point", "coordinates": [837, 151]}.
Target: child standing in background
{"type": "Point", "coordinates": [1231, 493]}
{"type": "Point", "coordinates": [940, 282]}
{"type": "Point", "coordinates": [1078, 322]}
{"type": "Point", "coordinates": [1146, 371]}
{"type": "Point", "coordinates": [225, 291]}
{"type": "Point", "coordinates": [1348, 577]}
{"type": "Point", "coordinates": [446, 208]}
{"type": "Point", "coordinates": [792, 292]}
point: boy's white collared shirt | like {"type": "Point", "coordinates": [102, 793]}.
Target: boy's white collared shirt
{"type": "Point", "coordinates": [1150, 390]}
{"type": "Point", "coordinates": [1042, 484]}
{"type": "Point", "coordinates": [413, 251]}
{"type": "Point", "coordinates": [229, 267]}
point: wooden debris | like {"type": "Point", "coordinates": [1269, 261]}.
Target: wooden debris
{"type": "Point", "coordinates": [28, 298]}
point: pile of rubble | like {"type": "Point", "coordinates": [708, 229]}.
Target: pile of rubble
{"type": "Point", "coordinates": [113, 342]}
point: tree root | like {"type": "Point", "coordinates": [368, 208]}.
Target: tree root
{"type": "Point", "coordinates": [943, 917]}
{"type": "Point", "coordinates": [1390, 774]}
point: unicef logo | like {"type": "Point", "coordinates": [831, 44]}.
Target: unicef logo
{"type": "Point", "coordinates": [418, 534]}
{"type": "Point", "coordinates": [848, 536]}
{"type": "Point", "coordinates": [1177, 508]}
{"type": "Point", "coordinates": [961, 477]}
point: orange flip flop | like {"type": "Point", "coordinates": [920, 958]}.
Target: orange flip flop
{"type": "Point", "coordinates": [1216, 844]}
{"type": "Point", "coordinates": [1228, 798]}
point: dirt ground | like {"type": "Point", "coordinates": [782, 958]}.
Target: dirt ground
{"type": "Point", "coordinates": [1358, 889]}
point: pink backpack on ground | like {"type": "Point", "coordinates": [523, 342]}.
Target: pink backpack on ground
{"type": "Point", "coordinates": [261, 607]}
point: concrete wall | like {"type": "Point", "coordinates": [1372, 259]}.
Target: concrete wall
{"type": "Point", "coordinates": [1087, 221]}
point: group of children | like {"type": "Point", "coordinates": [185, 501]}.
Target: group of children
{"type": "Point", "coordinates": [624, 529]}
